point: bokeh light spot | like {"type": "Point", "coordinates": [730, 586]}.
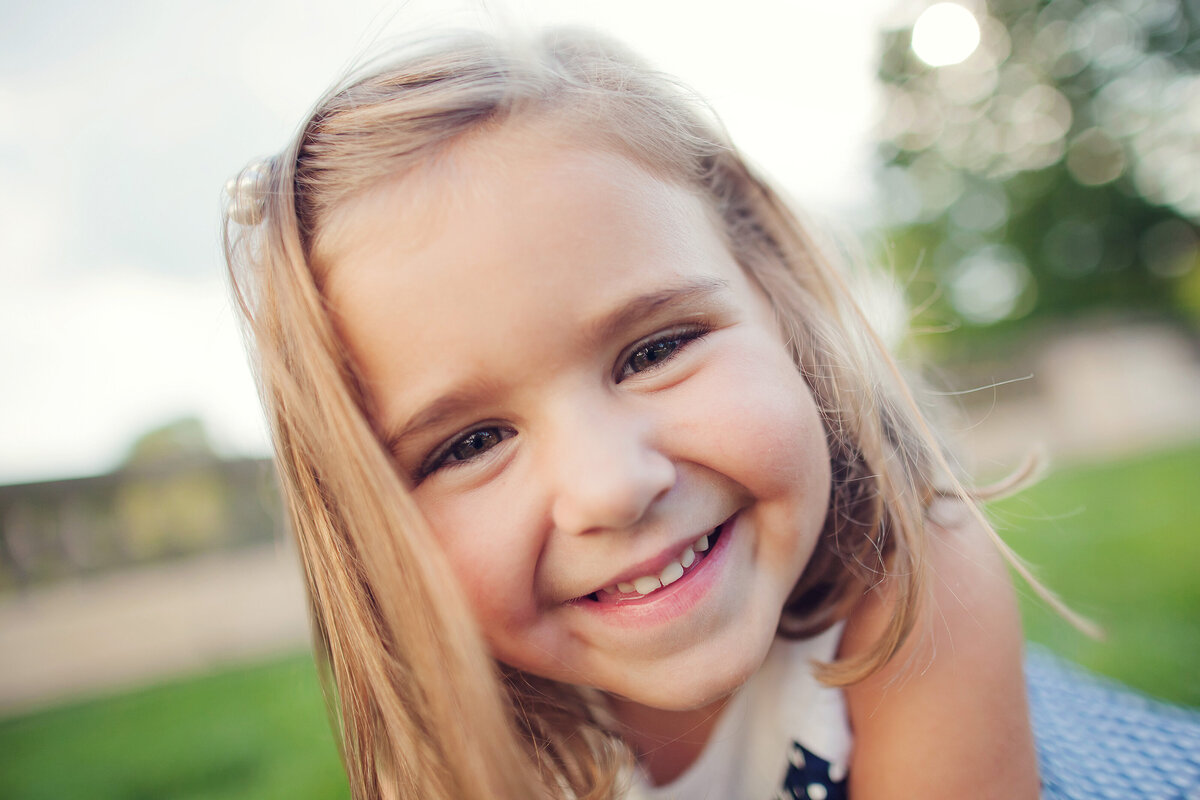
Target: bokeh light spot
{"type": "Point", "coordinates": [944, 34]}
{"type": "Point", "coordinates": [1170, 249]}
{"type": "Point", "coordinates": [1094, 158]}
{"type": "Point", "coordinates": [987, 285]}
{"type": "Point", "coordinates": [983, 208]}
{"type": "Point", "coordinates": [1073, 247]}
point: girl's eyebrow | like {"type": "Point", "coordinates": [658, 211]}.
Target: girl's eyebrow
{"type": "Point", "coordinates": [609, 326]}
{"type": "Point", "coordinates": [436, 413]}
{"type": "Point", "coordinates": [640, 307]}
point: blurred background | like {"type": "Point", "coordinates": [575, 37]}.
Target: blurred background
{"type": "Point", "coordinates": [1029, 171]}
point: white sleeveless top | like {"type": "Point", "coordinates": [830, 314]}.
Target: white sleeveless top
{"type": "Point", "coordinates": [747, 755]}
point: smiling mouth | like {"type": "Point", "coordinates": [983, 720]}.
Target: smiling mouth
{"type": "Point", "coordinates": [687, 561]}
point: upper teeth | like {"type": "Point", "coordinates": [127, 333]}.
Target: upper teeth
{"type": "Point", "coordinates": [670, 573]}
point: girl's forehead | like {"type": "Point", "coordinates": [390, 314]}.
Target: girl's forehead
{"type": "Point", "coordinates": [506, 174]}
{"type": "Point", "coordinates": [461, 171]}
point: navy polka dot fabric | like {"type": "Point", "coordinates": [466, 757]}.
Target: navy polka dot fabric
{"type": "Point", "coordinates": [1097, 739]}
{"type": "Point", "coordinates": [810, 777]}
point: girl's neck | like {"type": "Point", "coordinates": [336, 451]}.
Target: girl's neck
{"type": "Point", "coordinates": [666, 742]}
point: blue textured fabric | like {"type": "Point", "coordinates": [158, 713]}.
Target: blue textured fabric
{"type": "Point", "coordinates": [1097, 739]}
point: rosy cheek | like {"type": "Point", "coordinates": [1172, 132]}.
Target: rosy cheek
{"type": "Point", "coordinates": [775, 423]}
{"type": "Point", "coordinates": [487, 551]}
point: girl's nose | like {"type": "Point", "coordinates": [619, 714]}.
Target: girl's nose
{"type": "Point", "coordinates": [606, 473]}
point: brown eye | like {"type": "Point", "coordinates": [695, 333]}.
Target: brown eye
{"type": "Point", "coordinates": [651, 354]}
{"type": "Point", "coordinates": [474, 444]}
{"type": "Point", "coordinates": [463, 449]}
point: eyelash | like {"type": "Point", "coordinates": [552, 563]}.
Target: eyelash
{"type": "Point", "coordinates": [681, 337]}
{"type": "Point", "coordinates": [441, 457]}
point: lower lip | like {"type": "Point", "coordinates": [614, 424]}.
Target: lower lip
{"type": "Point", "coordinates": [670, 601]}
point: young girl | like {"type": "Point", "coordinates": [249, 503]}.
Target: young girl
{"type": "Point", "coordinates": [602, 484]}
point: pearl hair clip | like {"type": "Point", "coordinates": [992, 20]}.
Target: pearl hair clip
{"type": "Point", "coordinates": [245, 194]}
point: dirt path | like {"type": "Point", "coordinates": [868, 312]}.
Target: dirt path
{"type": "Point", "coordinates": [69, 641]}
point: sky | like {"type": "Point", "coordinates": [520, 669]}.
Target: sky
{"type": "Point", "coordinates": [124, 118]}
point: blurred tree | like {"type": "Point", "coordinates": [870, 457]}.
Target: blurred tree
{"type": "Point", "coordinates": [1055, 169]}
{"type": "Point", "coordinates": [184, 438]}
{"type": "Point", "coordinates": [172, 499]}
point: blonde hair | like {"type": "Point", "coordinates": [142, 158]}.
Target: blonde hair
{"type": "Point", "coordinates": [422, 710]}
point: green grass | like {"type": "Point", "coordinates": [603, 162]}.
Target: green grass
{"type": "Point", "coordinates": [246, 734]}
{"type": "Point", "coordinates": [1120, 542]}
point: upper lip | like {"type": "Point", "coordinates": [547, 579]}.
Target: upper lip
{"type": "Point", "coordinates": [655, 564]}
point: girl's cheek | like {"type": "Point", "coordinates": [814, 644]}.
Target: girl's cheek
{"type": "Point", "coordinates": [754, 404]}
{"type": "Point", "coordinates": [487, 535]}
{"type": "Point", "coordinates": [477, 551]}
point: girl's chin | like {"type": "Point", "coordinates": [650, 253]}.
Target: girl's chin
{"type": "Point", "coordinates": [685, 696]}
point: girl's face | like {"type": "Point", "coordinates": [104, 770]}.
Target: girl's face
{"type": "Point", "coordinates": [586, 392]}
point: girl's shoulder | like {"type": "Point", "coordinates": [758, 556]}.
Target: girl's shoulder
{"type": "Point", "coordinates": [969, 593]}
{"type": "Point", "coordinates": [947, 716]}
